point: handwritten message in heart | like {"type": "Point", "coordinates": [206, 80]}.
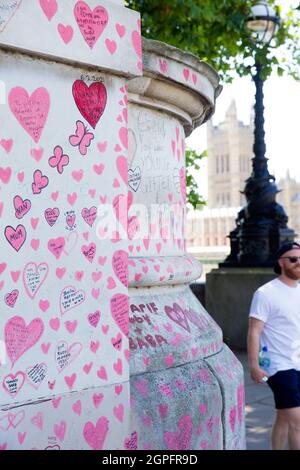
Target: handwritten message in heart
{"type": "Point", "coordinates": [31, 111]}
{"type": "Point", "coordinates": [13, 383]}
{"type": "Point", "coordinates": [70, 298]}
{"type": "Point", "coordinates": [120, 266]}
{"type": "Point", "coordinates": [91, 22]}
{"type": "Point", "coordinates": [65, 355]}
{"type": "Point", "coordinates": [36, 374]}
{"type": "Point", "coordinates": [20, 337]}
{"type": "Point", "coordinates": [34, 276]}
{"type": "Point", "coordinates": [119, 311]}
{"type": "Point", "coordinates": [91, 101]}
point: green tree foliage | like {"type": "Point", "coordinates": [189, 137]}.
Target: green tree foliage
{"type": "Point", "coordinates": [215, 31]}
{"type": "Point", "coordinates": [192, 192]}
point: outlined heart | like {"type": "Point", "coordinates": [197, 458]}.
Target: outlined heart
{"type": "Point", "coordinates": [65, 354]}
{"type": "Point", "coordinates": [15, 237]}
{"type": "Point", "coordinates": [120, 266]}
{"type": "Point", "coordinates": [34, 276]}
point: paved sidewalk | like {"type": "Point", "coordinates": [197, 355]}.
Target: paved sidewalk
{"type": "Point", "coordinates": [260, 411]}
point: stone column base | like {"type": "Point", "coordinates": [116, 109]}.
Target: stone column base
{"type": "Point", "coordinates": [228, 295]}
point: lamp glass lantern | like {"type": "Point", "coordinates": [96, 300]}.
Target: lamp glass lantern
{"type": "Point", "coordinates": [262, 23]}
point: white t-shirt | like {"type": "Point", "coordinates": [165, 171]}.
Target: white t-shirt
{"type": "Point", "coordinates": [278, 306]}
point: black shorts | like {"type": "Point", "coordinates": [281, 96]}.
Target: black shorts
{"type": "Point", "coordinates": [285, 385]}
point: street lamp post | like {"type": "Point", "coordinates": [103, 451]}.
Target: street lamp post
{"type": "Point", "coordinates": [261, 226]}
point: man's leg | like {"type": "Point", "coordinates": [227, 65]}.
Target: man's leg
{"type": "Point", "coordinates": [280, 431]}
{"type": "Point", "coordinates": [293, 419]}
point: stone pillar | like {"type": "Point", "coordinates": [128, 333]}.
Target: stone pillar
{"type": "Point", "coordinates": [187, 387]}
{"type": "Point", "coordinates": [64, 383]}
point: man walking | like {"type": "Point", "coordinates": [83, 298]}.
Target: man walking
{"type": "Point", "coordinates": [275, 324]}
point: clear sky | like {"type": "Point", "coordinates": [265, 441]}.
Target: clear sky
{"type": "Point", "coordinates": [282, 120]}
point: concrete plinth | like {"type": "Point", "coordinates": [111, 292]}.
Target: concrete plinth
{"type": "Point", "coordinates": [228, 295]}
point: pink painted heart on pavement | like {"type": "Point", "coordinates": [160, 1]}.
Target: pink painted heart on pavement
{"type": "Point", "coordinates": [31, 111]}
{"type": "Point", "coordinates": [91, 22]}
{"type": "Point", "coordinates": [34, 276]}
{"type": "Point", "coordinates": [15, 237]}
{"type": "Point", "coordinates": [89, 215]}
{"type": "Point", "coordinates": [120, 266]}
{"type": "Point", "coordinates": [11, 298]}
{"type": "Point", "coordinates": [119, 311]}
{"type": "Point", "coordinates": [180, 440]}
{"type": "Point", "coordinates": [96, 435]}
{"type": "Point", "coordinates": [19, 337]}
{"type": "Point", "coordinates": [21, 206]}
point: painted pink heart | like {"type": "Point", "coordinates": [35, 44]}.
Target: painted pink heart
{"type": "Point", "coordinates": [19, 337]}
{"type": "Point", "coordinates": [120, 205]}
{"type": "Point", "coordinates": [95, 435]}
{"type": "Point", "coordinates": [94, 318]}
{"type": "Point", "coordinates": [131, 443]}
{"type": "Point", "coordinates": [119, 412]}
{"type": "Point", "coordinates": [5, 174]}
{"type": "Point", "coordinates": [89, 215]}
{"type": "Point", "coordinates": [97, 399]}
{"type": "Point", "coordinates": [182, 439]}
{"type": "Point", "coordinates": [13, 383]}
{"type": "Point", "coordinates": [122, 167]}
{"type": "Point", "coordinates": [7, 144]}
{"type": "Point", "coordinates": [137, 43]}
{"type": "Point", "coordinates": [30, 111]}
{"type": "Point", "coordinates": [60, 430]}
{"type": "Point", "coordinates": [121, 30]}
{"type": "Point", "coordinates": [37, 153]}
{"type": "Point", "coordinates": [70, 219]}
{"type": "Point", "coordinates": [66, 32]}
{"type": "Point", "coordinates": [90, 100]}
{"type": "Point", "coordinates": [49, 7]}
{"type": "Point", "coordinates": [54, 323]}
{"type": "Point", "coordinates": [177, 314]}
{"type": "Point", "coordinates": [38, 420]}
{"type": "Point", "coordinates": [11, 298]}
{"type": "Point", "coordinates": [119, 311]}
{"type": "Point", "coordinates": [92, 29]}
{"type": "Point", "coordinates": [77, 175]}
{"type": "Point", "coordinates": [21, 206]}
{"type": "Point", "coordinates": [123, 134]}
{"type": "Point", "coordinates": [89, 251]}
{"type": "Point", "coordinates": [40, 182]}
{"type": "Point", "coordinates": [111, 45]}
{"type": "Point", "coordinates": [33, 277]}
{"type": "Point", "coordinates": [15, 237]}
{"type": "Point", "coordinates": [120, 266]}
{"type": "Point", "coordinates": [56, 246]}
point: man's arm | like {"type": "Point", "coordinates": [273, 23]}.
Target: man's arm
{"type": "Point", "coordinates": [254, 332]}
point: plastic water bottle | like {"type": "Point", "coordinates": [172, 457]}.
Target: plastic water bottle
{"type": "Point", "coordinates": [264, 359]}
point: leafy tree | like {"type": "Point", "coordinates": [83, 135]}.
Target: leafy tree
{"type": "Point", "coordinates": [215, 31]}
{"type": "Point", "coordinates": [192, 192]}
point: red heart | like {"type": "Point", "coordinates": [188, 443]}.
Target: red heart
{"type": "Point", "coordinates": [91, 101]}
